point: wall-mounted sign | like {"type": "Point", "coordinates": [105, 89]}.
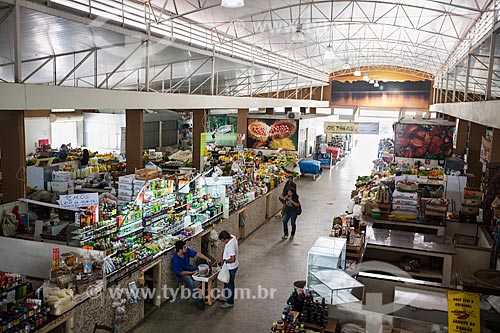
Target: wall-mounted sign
{"type": "Point", "coordinates": [463, 312]}
{"type": "Point", "coordinates": [351, 128]}
{"type": "Point", "coordinates": [79, 200]}
{"type": "Point", "coordinates": [423, 141]}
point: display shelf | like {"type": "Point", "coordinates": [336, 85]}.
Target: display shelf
{"type": "Point", "coordinates": [130, 232]}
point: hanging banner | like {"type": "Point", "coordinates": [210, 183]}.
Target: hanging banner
{"type": "Point", "coordinates": [463, 312]}
{"type": "Point", "coordinates": [351, 128]}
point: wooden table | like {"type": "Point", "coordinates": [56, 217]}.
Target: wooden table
{"type": "Point", "coordinates": [206, 284]}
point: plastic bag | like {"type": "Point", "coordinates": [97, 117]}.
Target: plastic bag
{"type": "Point", "coordinates": [224, 274]}
{"type": "Point", "coordinates": [213, 235]}
{"type": "Point", "coordinates": [9, 224]}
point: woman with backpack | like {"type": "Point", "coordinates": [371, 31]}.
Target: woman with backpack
{"type": "Point", "coordinates": [292, 209]}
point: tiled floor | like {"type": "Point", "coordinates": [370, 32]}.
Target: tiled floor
{"type": "Point", "coordinates": [269, 263]}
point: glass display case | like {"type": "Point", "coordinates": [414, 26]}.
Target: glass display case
{"type": "Point", "coordinates": [327, 253]}
{"type": "Point", "coordinates": [325, 275]}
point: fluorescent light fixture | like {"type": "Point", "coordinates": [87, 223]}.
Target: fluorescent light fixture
{"type": "Point", "coordinates": [357, 72]}
{"type": "Point", "coordinates": [329, 54]}
{"type": "Point", "coordinates": [346, 65]}
{"type": "Point", "coordinates": [232, 3]}
{"type": "Point", "coordinates": [366, 78]}
{"type": "Point", "coordinates": [298, 36]}
{"type": "Point", "coordinates": [376, 85]}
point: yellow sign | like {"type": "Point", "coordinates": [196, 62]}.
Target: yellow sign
{"type": "Point", "coordinates": [463, 312]}
{"type": "Point", "coordinates": [203, 144]}
{"type": "Point", "coordinates": [341, 128]}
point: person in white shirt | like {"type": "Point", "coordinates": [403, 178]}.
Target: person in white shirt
{"type": "Point", "coordinates": [322, 147]}
{"type": "Point", "coordinates": [230, 258]}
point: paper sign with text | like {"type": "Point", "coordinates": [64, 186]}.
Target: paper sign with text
{"type": "Point", "coordinates": [463, 312]}
{"type": "Point", "coordinates": [79, 200]}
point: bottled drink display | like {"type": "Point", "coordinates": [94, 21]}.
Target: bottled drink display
{"type": "Point", "coordinates": [309, 311]}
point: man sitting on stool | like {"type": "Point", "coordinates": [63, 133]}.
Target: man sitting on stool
{"type": "Point", "coordinates": [183, 268]}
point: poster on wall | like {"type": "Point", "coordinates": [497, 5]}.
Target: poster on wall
{"type": "Point", "coordinates": [222, 130]}
{"type": "Point", "coordinates": [273, 134]}
{"type": "Point", "coordinates": [410, 94]}
{"type": "Point", "coordinates": [433, 142]}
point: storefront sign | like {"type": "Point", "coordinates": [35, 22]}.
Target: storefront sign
{"type": "Point", "coordinates": [463, 312]}
{"type": "Point", "coordinates": [79, 200]}
{"type": "Point", "coordinates": [351, 128]}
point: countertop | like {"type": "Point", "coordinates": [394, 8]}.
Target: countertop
{"type": "Point", "coordinates": [409, 240]}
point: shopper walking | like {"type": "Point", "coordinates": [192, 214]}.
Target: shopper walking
{"type": "Point", "coordinates": [291, 211]}
{"type": "Point", "coordinates": [183, 268]}
{"type": "Point", "coordinates": [290, 184]}
{"type": "Point", "coordinates": [230, 258]}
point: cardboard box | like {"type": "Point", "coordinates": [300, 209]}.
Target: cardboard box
{"type": "Point", "coordinates": [125, 193]}
{"type": "Point", "coordinates": [128, 179]}
{"type": "Point", "coordinates": [125, 186]}
{"type": "Point", "coordinates": [61, 176]}
{"type": "Point", "coordinates": [57, 186]}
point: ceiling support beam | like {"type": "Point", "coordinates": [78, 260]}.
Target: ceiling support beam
{"type": "Point", "coordinates": [467, 76]}
{"type": "Point", "coordinates": [454, 85]}
{"type": "Point", "coordinates": [181, 82]}
{"type": "Point", "coordinates": [76, 67]}
{"type": "Point", "coordinates": [491, 63]}
{"type": "Point", "coordinates": [36, 70]}
{"type": "Point", "coordinates": [108, 76]}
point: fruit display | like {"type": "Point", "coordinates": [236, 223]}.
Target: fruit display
{"type": "Point", "coordinates": [424, 141]}
{"type": "Point", "coordinates": [272, 133]}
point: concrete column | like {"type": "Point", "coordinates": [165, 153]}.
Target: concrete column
{"type": "Point", "coordinates": [474, 165]}
{"type": "Point", "coordinates": [242, 123]}
{"type": "Point", "coordinates": [199, 126]}
{"type": "Point", "coordinates": [327, 92]}
{"type": "Point", "coordinates": [495, 146]}
{"type": "Point", "coordinates": [312, 110]}
{"type": "Point", "coordinates": [13, 154]}
{"type": "Point", "coordinates": [461, 137]}
{"type": "Point", "coordinates": [134, 139]}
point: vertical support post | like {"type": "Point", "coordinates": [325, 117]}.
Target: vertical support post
{"type": "Point", "coordinates": [54, 69]}
{"type": "Point", "coordinates": [18, 73]}
{"type": "Point", "coordinates": [134, 138]}
{"type": "Point", "coordinates": [13, 154]}
{"type": "Point", "coordinates": [278, 84]}
{"type": "Point", "coordinates": [199, 126]}
{"type": "Point", "coordinates": [212, 77]}
{"type": "Point", "coordinates": [242, 123]}
{"type": "Point", "coordinates": [454, 85]}
{"type": "Point", "coordinates": [160, 139]}
{"type": "Point", "coordinates": [146, 74]}
{"type": "Point", "coordinates": [446, 91]}
{"type": "Point", "coordinates": [491, 63]}
{"type": "Point", "coordinates": [467, 74]}
{"type": "Point", "coordinates": [95, 68]}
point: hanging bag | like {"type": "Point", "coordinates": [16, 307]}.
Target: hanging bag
{"type": "Point", "coordinates": [299, 209]}
{"type": "Point", "coordinates": [224, 274]}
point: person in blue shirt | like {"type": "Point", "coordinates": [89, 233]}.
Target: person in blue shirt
{"type": "Point", "coordinates": [183, 269]}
